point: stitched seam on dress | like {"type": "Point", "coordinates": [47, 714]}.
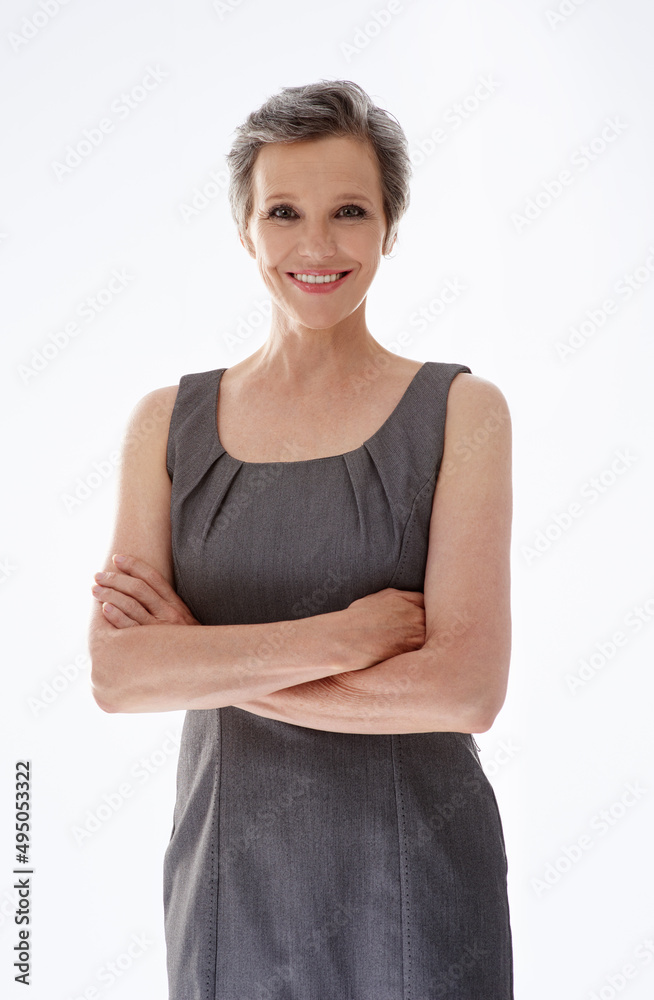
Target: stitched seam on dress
{"type": "Point", "coordinates": [213, 923]}
{"type": "Point", "coordinates": [171, 442]}
{"type": "Point", "coordinates": [179, 577]}
{"type": "Point", "coordinates": [410, 522]}
{"type": "Point", "coordinates": [401, 822]}
{"type": "Point", "coordinates": [177, 571]}
{"type": "Point", "coordinates": [408, 530]}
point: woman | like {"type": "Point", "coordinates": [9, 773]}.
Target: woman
{"type": "Point", "coordinates": [333, 521]}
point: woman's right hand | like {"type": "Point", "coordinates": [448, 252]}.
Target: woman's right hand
{"type": "Point", "coordinates": [384, 624]}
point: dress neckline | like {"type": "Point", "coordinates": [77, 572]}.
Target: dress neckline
{"type": "Point", "coordinates": [323, 458]}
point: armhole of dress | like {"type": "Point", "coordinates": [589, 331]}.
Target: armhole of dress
{"type": "Point", "coordinates": [170, 444]}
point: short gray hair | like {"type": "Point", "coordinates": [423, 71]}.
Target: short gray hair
{"type": "Point", "coordinates": [329, 107]}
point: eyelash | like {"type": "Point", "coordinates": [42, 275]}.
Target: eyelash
{"type": "Point", "coordinates": [363, 214]}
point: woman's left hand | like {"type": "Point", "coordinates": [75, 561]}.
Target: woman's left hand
{"type": "Point", "coordinates": [137, 594]}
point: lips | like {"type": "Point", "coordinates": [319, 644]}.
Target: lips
{"type": "Point", "coordinates": [317, 287]}
{"type": "Point", "coordinates": [318, 274]}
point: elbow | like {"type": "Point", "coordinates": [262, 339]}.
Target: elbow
{"type": "Point", "coordinates": [104, 687]}
{"type": "Point", "coordinates": [481, 714]}
{"type": "Point", "coordinates": [471, 719]}
{"type": "Point", "coordinates": [476, 711]}
{"type": "Point", "coordinates": [483, 698]}
{"type": "Point", "coordinates": [481, 723]}
{"type": "Point", "coordinates": [103, 695]}
{"type": "Point", "coordinates": [102, 701]}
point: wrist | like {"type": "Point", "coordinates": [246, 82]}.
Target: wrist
{"type": "Point", "coordinates": [347, 655]}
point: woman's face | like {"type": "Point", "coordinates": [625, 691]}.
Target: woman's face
{"type": "Point", "coordinates": [317, 207]}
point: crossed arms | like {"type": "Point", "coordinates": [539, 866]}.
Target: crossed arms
{"type": "Point", "coordinates": [394, 662]}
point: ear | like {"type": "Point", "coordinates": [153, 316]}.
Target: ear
{"type": "Point", "coordinates": [245, 245]}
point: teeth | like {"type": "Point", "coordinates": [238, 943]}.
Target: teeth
{"type": "Point", "coordinates": [319, 279]}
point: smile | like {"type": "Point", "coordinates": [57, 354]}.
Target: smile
{"type": "Point", "coordinates": [318, 279]}
{"type": "Point", "coordinates": [318, 284]}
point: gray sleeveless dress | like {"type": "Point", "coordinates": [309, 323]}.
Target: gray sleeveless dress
{"type": "Point", "coordinates": [311, 865]}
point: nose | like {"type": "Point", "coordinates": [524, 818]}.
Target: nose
{"type": "Point", "coordinates": [316, 240]}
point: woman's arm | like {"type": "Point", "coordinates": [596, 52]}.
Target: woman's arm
{"type": "Point", "coordinates": [179, 664]}
{"type": "Point", "coordinates": [457, 681]}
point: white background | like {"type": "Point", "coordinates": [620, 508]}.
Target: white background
{"type": "Point", "coordinates": [557, 757]}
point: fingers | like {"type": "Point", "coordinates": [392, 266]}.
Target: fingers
{"type": "Point", "coordinates": [126, 606]}
{"type": "Point", "coordinates": [415, 596]}
{"type": "Point", "coordinates": [140, 569]}
{"type": "Point", "coordinates": [132, 588]}
{"type": "Point", "coordinates": [116, 617]}
{"type": "Point", "coordinates": [142, 593]}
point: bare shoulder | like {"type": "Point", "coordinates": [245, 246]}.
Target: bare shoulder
{"type": "Point", "coordinates": [157, 404]}
{"type": "Point", "coordinates": [468, 391]}
{"type": "Point", "coordinates": [149, 419]}
{"type": "Point", "coordinates": [477, 425]}
{"type": "Point", "coordinates": [142, 521]}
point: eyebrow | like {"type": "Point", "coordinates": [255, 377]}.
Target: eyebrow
{"type": "Point", "coordinates": [342, 197]}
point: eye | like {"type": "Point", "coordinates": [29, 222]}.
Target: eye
{"type": "Point", "coordinates": [353, 212]}
{"type": "Point", "coordinates": [357, 208]}
{"type": "Point", "coordinates": [279, 208]}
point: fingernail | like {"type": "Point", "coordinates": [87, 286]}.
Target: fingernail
{"type": "Point", "coordinates": [100, 576]}
{"type": "Point", "coordinates": [119, 559]}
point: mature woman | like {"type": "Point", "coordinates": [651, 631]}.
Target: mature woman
{"type": "Point", "coordinates": [321, 535]}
